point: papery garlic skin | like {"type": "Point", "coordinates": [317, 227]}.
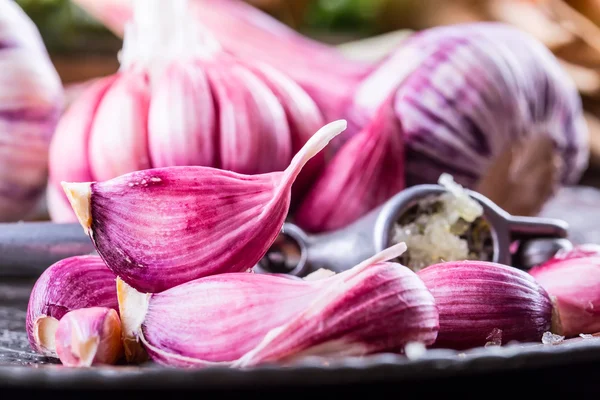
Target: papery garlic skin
{"type": "Point", "coordinates": [162, 227]}
{"type": "Point", "coordinates": [178, 99]}
{"type": "Point", "coordinates": [573, 280]}
{"type": "Point", "coordinates": [474, 298]}
{"type": "Point", "coordinates": [69, 284]}
{"type": "Point", "coordinates": [479, 88]}
{"type": "Point", "coordinates": [231, 320]}
{"type": "Point", "coordinates": [89, 336]}
{"type": "Point", "coordinates": [31, 100]}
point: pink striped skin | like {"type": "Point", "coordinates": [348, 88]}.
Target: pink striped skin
{"type": "Point", "coordinates": [479, 88]}
{"type": "Point", "coordinates": [69, 284]}
{"type": "Point", "coordinates": [235, 321]}
{"type": "Point", "coordinates": [475, 297]}
{"type": "Point", "coordinates": [69, 149]}
{"type": "Point", "coordinates": [363, 174]}
{"type": "Point", "coordinates": [304, 119]}
{"type": "Point", "coordinates": [573, 279]}
{"type": "Point", "coordinates": [186, 134]}
{"type": "Point", "coordinates": [31, 101]}
{"type": "Point", "coordinates": [160, 228]}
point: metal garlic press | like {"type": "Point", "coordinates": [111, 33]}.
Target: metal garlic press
{"type": "Point", "coordinates": [297, 253]}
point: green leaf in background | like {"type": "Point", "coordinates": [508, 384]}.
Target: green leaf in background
{"type": "Point", "coordinates": [357, 16]}
{"type": "Point", "coordinates": [66, 28]}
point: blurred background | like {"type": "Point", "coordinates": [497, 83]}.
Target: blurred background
{"type": "Point", "coordinates": [81, 48]}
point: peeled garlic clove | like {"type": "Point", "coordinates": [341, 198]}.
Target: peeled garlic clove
{"type": "Point", "coordinates": [304, 119]}
{"type": "Point", "coordinates": [573, 281]}
{"type": "Point", "coordinates": [163, 227]}
{"type": "Point", "coordinates": [366, 172]}
{"type": "Point", "coordinates": [70, 142]}
{"type": "Point", "coordinates": [119, 141]}
{"type": "Point", "coordinates": [478, 299]}
{"type": "Point", "coordinates": [89, 336]}
{"type": "Point", "coordinates": [69, 284]}
{"type": "Point", "coordinates": [175, 122]}
{"type": "Point", "coordinates": [240, 319]}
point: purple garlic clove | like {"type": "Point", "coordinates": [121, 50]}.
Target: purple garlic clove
{"type": "Point", "coordinates": [241, 319]}
{"type": "Point", "coordinates": [481, 302]}
{"type": "Point", "coordinates": [162, 227]}
{"type": "Point", "coordinates": [89, 336]}
{"type": "Point", "coordinates": [70, 284]}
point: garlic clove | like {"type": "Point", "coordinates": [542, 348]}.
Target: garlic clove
{"type": "Point", "coordinates": [304, 119]}
{"type": "Point", "coordinates": [174, 122]}
{"type": "Point", "coordinates": [366, 172]}
{"type": "Point", "coordinates": [477, 300]}
{"type": "Point", "coordinates": [374, 307]}
{"type": "Point", "coordinates": [70, 142]}
{"type": "Point", "coordinates": [69, 284]}
{"type": "Point", "coordinates": [89, 336]}
{"type": "Point", "coordinates": [162, 227]}
{"type": "Point", "coordinates": [573, 280]}
{"type": "Point", "coordinates": [118, 141]}
{"type": "Point", "coordinates": [254, 134]}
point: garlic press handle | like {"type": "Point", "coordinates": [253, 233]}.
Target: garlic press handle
{"type": "Point", "coordinates": [525, 228]}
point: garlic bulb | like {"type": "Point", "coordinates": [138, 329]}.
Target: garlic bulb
{"type": "Point", "coordinates": [178, 100]}
{"type": "Point", "coordinates": [247, 32]}
{"type": "Point", "coordinates": [462, 96]}
{"type": "Point", "coordinates": [31, 100]}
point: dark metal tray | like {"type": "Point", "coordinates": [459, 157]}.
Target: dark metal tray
{"type": "Point", "coordinates": [573, 366]}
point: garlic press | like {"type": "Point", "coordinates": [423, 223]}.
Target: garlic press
{"type": "Point", "coordinates": [297, 253]}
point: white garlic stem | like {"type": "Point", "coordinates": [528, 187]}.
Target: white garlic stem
{"type": "Point", "coordinates": [161, 31]}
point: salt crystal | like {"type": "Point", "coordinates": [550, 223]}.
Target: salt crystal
{"type": "Point", "coordinates": [414, 350]}
{"type": "Point", "coordinates": [551, 338]}
{"type": "Point", "coordinates": [586, 336]}
{"type": "Point", "coordinates": [494, 338]}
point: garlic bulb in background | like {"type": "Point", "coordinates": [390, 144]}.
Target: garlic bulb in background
{"type": "Point", "coordinates": [463, 95]}
{"type": "Point", "coordinates": [247, 32]}
{"type": "Point", "coordinates": [31, 99]}
{"type": "Point", "coordinates": [179, 100]}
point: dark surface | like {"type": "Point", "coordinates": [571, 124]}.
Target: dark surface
{"type": "Point", "coordinates": [571, 367]}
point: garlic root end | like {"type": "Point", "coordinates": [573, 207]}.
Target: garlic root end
{"type": "Point", "coordinates": [556, 326]}
{"type": "Point", "coordinates": [133, 307]}
{"type": "Point", "coordinates": [80, 195]}
{"type": "Point", "coordinates": [44, 332]}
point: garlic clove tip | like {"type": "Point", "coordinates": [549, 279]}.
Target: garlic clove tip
{"type": "Point", "coordinates": [133, 306]}
{"type": "Point", "coordinates": [44, 331]}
